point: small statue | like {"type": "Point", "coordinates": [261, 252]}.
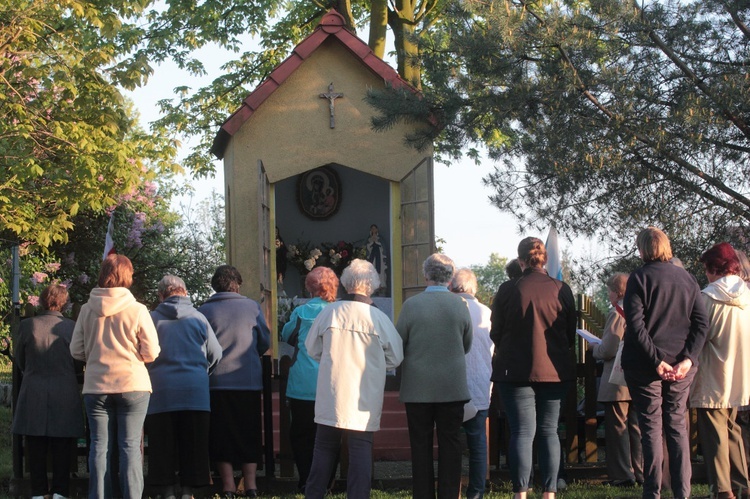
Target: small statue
{"type": "Point", "coordinates": [376, 255]}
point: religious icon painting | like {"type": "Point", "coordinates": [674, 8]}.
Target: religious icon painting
{"type": "Point", "coordinates": [319, 193]}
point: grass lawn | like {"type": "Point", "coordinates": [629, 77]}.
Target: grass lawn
{"type": "Point", "coordinates": [575, 490]}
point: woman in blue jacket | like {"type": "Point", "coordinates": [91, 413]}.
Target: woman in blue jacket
{"type": "Point", "coordinates": [177, 421]}
{"type": "Point", "coordinates": [322, 284]}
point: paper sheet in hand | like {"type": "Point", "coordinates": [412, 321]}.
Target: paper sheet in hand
{"type": "Point", "coordinates": [594, 340]}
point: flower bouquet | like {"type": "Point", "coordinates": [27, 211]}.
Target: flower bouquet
{"type": "Point", "coordinates": [304, 256]}
{"type": "Point", "coordinates": [340, 254]}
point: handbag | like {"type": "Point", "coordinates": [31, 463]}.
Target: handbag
{"type": "Point", "coordinates": [617, 376]}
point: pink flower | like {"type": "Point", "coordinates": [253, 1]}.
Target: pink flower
{"type": "Point", "coordinates": [52, 267]}
{"type": "Point", "coordinates": [33, 300]}
{"type": "Point", "coordinates": [38, 277]}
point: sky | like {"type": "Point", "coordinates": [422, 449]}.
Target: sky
{"type": "Point", "coordinates": [471, 227]}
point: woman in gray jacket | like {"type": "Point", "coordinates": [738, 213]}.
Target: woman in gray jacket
{"type": "Point", "coordinates": [621, 431]}
{"type": "Point", "coordinates": [49, 410]}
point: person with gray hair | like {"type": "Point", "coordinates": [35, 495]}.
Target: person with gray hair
{"type": "Point", "coordinates": [360, 280]}
{"type": "Point", "coordinates": [177, 421]}
{"type": "Point", "coordinates": [478, 373]}
{"type": "Point", "coordinates": [355, 344]}
{"type": "Point", "coordinates": [436, 330]}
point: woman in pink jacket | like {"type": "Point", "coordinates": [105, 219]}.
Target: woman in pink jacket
{"type": "Point", "coordinates": [116, 337]}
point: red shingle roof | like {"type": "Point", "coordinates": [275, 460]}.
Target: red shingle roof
{"type": "Point", "coordinates": [330, 26]}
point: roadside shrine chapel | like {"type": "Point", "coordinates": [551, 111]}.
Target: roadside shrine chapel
{"type": "Point", "coordinates": [306, 177]}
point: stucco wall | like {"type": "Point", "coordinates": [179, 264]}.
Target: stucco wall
{"type": "Point", "coordinates": [290, 133]}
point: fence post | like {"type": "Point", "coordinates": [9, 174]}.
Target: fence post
{"type": "Point", "coordinates": [15, 324]}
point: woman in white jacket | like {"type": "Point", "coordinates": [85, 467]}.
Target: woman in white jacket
{"type": "Point", "coordinates": [719, 387]}
{"type": "Point", "coordinates": [355, 344]}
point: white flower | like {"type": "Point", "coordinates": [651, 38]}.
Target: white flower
{"type": "Point", "coordinates": [310, 263]}
{"type": "Point", "coordinates": [315, 253]}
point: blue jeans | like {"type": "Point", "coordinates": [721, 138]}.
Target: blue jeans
{"type": "Point", "coordinates": [120, 416]}
{"type": "Point", "coordinates": [325, 456]}
{"type": "Point", "coordinates": [533, 409]}
{"type": "Point", "coordinates": [476, 440]}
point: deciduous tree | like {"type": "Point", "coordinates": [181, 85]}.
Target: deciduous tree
{"type": "Point", "coordinates": [69, 142]}
{"type": "Point", "coordinates": [489, 277]}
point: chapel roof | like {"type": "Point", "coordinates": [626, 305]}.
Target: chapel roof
{"type": "Point", "coordinates": [332, 25]}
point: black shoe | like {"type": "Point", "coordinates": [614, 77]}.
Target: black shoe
{"type": "Point", "coordinates": [251, 493]}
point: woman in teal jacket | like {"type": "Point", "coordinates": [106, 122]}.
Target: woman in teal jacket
{"type": "Point", "coordinates": [323, 284]}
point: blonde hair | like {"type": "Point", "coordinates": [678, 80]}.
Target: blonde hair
{"type": "Point", "coordinates": [654, 245]}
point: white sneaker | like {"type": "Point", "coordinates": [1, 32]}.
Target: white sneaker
{"type": "Point", "coordinates": [58, 496]}
{"type": "Point", "coordinates": [37, 497]}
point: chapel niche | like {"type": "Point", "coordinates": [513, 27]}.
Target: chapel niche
{"type": "Point", "coordinates": [332, 207]}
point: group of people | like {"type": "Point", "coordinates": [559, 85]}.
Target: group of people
{"type": "Point", "coordinates": [677, 346]}
{"type": "Point", "coordinates": [190, 377]}
{"type": "Point", "coordinates": [193, 376]}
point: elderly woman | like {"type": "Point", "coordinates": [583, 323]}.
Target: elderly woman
{"type": "Point", "coordinates": [116, 337]}
{"type": "Point", "coordinates": [478, 374]}
{"type": "Point", "coordinates": [665, 329]}
{"type": "Point", "coordinates": [179, 410]}
{"type": "Point", "coordinates": [533, 327]}
{"type": "Point", "coordinates": [48, 411]}
{"type": "Point", "coordinates": [236, 383]}
{"type": "Point", "coordinates": [720, 385]}
{"type": "Point", "coordinates": [621, 432]}
{"type": "Point", "coordinates": [436, 328]}
{"type": "Point", "coordinates": [355, 344]}
{"type": "Point", "coordinates": [322, 284]}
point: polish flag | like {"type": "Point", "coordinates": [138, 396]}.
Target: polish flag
{"type": "Point", "coordinates": [109, 244]}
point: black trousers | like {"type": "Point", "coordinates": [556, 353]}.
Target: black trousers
{"type": "Point", "coordinates": [661, 406]}
{"type": "Point", "coordinates": [178, 442]}
{"type": "Point", "coordinates": [61, 449]}
{"type": "Point", "coordinates": [302, 436]}
{"type": "Point", "coordinates": [423, 420]}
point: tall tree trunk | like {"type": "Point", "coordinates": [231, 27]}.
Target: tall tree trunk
{"type": "Point", "coordinates": [403, 24]}
{"type": "Point", "coordinates": [344, 7]}
{"type": "Point", "coordinates": [378, 26]}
